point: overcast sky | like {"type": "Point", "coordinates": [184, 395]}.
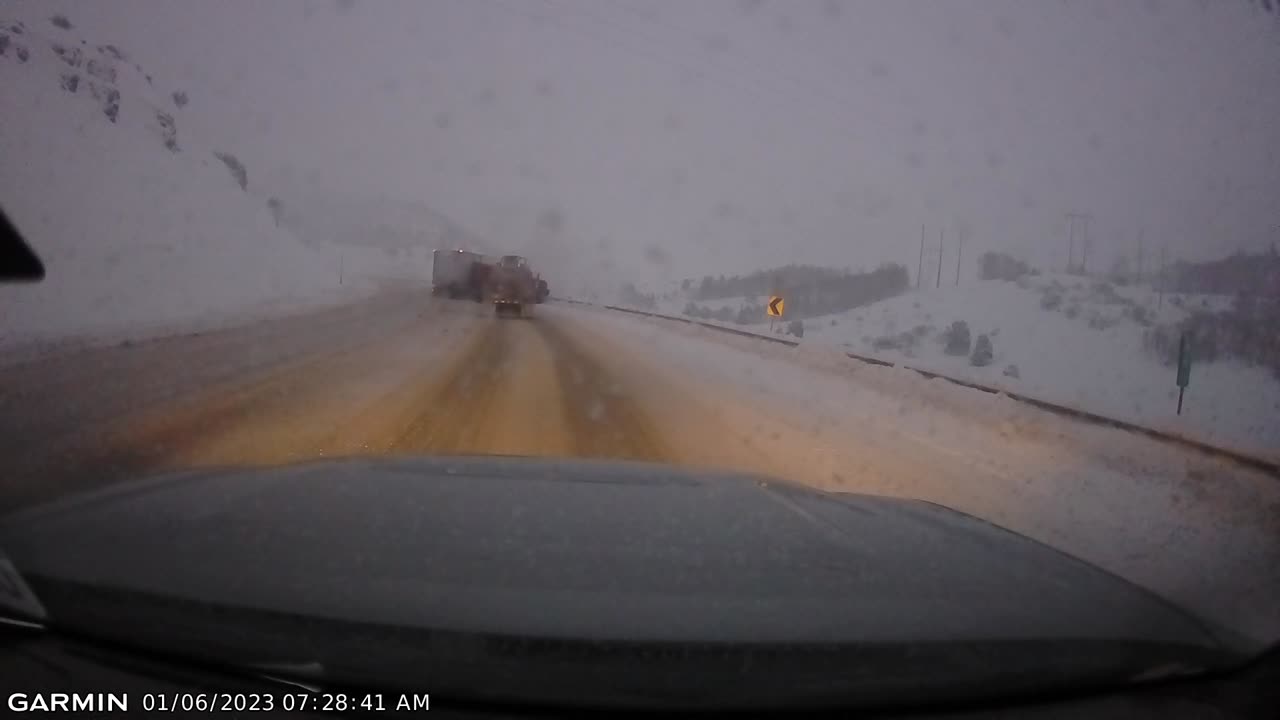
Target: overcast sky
{"type": "Point", "coordinates": [689, 136]}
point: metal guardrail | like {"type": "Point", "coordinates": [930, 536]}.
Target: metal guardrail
{"type": "Point", "coordinates": [1256, 462]}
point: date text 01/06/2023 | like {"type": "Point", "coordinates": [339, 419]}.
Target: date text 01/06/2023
{"type": "Point", "coordinates": [289, 702]}
{"type": "Point", "coordinates": [214, 702]}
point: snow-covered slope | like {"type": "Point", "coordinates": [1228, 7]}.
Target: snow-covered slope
{"type": "Point", "coordinates": [1085, 350]}
{"type": "Point", "coordinates": [139, 225]}
{"type": "Point", "coordinates": [372, 220]}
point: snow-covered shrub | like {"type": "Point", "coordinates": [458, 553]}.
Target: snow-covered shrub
{"type": "Point", "coordinates": [983, 353]}
{"type": "Point", "coordinates": [1001, 266]}
{"type": "Point", "coordinates": [1141, 315]}
{"type": "Point", "coordinates": [957, 338]}
{"type": "Point", "coordinates": [1100, 321]}
{"type": "Point", "coordinates": [1105, 293]}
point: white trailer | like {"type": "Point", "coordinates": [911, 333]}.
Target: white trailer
{"type": "Point", "coordinates": [453, 273]}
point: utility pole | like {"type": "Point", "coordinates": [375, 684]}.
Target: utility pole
{"type": "Point", "coordinates": [958, 253]}
{"type": "Point", "coordinates": [1071, 238]}
{"type": "Point", "coordinates": [1160, 302]}
{"type": "Point", "coordinates": [920, 263]}
{"type": "Point", "coordinates": [1084, 247]}
{"type": "Point", "coordinates": [1141, 232]}
{"type": "Point", "coordinates": [940, 234]}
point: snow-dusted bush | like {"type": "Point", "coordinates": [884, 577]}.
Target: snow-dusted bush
{"type": "Point", "coordinates": [983, 353]}
{"type": "Point", "coordinates": [957, 338]}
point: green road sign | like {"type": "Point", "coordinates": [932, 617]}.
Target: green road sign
{"type": "Point", "coordinates": [1184, 362]}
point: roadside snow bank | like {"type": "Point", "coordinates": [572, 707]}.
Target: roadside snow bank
{"type": "Point", "coordinates": [1072, 341]}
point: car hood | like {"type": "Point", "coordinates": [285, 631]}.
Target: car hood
{"type": "Point", "coordinates": [581, 549]}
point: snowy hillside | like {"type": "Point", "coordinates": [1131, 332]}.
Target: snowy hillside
{"type": "Point", "coordinates": [374, 221]}
{"type": "Point", "coordinates": [1071, 340]}
{"type": "Point", "coordinates": [140, 226]}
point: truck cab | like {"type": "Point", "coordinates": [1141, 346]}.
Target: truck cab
{"type": "Point", "coordinates": [514, 288]}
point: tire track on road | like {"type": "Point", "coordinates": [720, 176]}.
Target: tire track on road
{"type": "Point", "coordinates": [605, 420]}
{"type": "Point", "coordinates": [455, 407]}
{"type": "Point", "coordinates": [528, 388]}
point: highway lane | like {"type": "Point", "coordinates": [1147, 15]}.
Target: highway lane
{"type": "Point", "coordinates": [408, 375]}
{"type": "Point", "coordinates": [65, 417]}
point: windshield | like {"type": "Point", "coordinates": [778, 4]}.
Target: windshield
{"type": "Point", "coordinates": [1015, 259]}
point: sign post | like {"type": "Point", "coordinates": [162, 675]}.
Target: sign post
{"type": "Point", "coordinates": [1184, 368]}
{"type": "Point", "coordinates": [775, 308]}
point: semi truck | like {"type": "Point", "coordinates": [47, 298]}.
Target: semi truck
{"type": "Point", "coordinates": [514, 287]}
{"type": "Point", "coordinates": [507, 281]}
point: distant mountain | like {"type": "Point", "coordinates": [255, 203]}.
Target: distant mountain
{"type": "Point", "coordinates": [137, 221]}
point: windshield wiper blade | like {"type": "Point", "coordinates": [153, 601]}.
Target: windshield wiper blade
{"type": "Point", "coordinates": [25, 624]}
{"type": "Point", "coordinates": [287, 673]}
{"type": "Point", "coordinates": [17, 601]}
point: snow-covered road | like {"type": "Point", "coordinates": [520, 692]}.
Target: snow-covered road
{"type": "Point", "coordinates": [403, 373]}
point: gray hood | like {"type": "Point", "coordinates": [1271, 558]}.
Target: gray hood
{"type": "Point", "coordinates": [597, 550]}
